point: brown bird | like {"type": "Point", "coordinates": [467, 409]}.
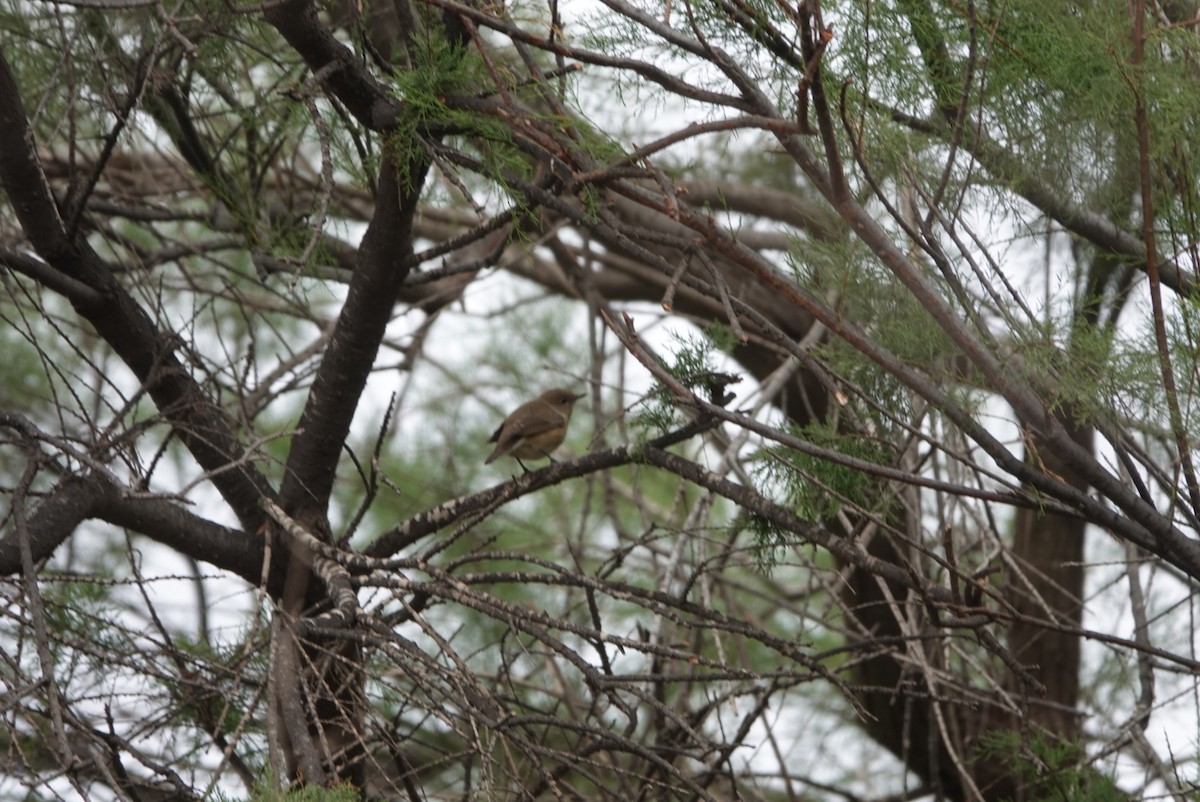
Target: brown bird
{"type": "Point", "coordinates": [534, 429]}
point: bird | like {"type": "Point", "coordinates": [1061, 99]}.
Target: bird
{"type": "Point", "coordinates": [535, 428]}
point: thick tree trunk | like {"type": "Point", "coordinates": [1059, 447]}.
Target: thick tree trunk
{"type": "Point", "coordinates": [1048, 551]}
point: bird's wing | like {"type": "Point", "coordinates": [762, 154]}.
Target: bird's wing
{"type": "Point", "coordinates": [527, 423]}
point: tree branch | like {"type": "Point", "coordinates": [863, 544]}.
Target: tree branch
{"type": "Point", "coordinates": [333, 63]}
{"type": "Point", "coordinates": [371, 296]}
{"type": "Point", "coordinates": [93, 496]}
{"type": "Point", "coordinates": [120, 320]}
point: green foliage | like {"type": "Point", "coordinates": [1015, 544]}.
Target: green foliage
{"type": "Point", "coordinates": [440, 68]}
{"type": "Point", "coordinates": [770, 541]}
{"type": "Point", "coordinates": [692, 366]}
{"type": "Point", "coordinates": [24, 369]}
{"type": "Point", "coordinates": [1181, 338]}
{"type": "Point", "coordinates": [1074, 57]}
{"type": "Point", "coordinates": [816, 488]}
{"type": "Point", "coordinates": [721, 337]}
{"type": "Point", "coordinates": [193, 692]}
{"type": "Point", "coordinates": [1052, 84]}
{"type": "Point", "coordinates": [868, 294]}
{"type": "Point", "coordinates": [76, 608]}
{"type": "Point", "coordinates": [440, 71]}
{"type": "Point", "coordinates": [438, 93]}
{"type": "Point", "coordinates": [1097, 378]}
{"type": "Point", "coordinates": [1052, 769]}
{"type": "Point", "coordinates": [265, 792]}
{"type": "Point", "coordinates": [76, 611]}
